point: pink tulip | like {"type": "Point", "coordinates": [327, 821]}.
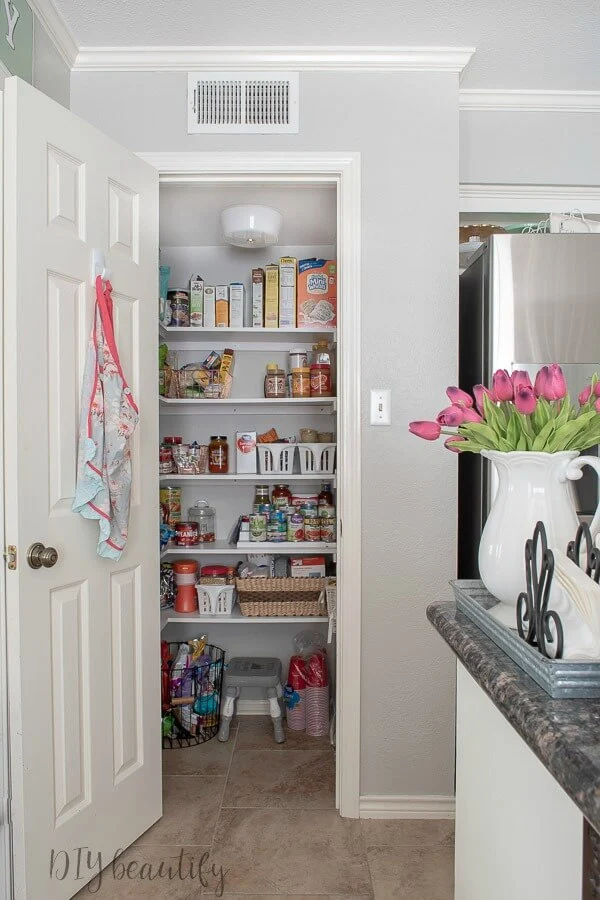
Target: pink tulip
{"type": "Point", "coordinates": [597, 405]}
{"type": "Point", "coordinates": [558, 384]}
{"type": "Point", "coordinates": [452, 416]}
{"type": "Point", "coordinates": [469, 415]}
{"type": "Point", "coordinates": [480, 391]}
{"type": "Point", "coordinates": [429, 431]}
{"type": "Point", "coordinates": [520, 379]}
{"type": "Point", "coordinates": [458, 397]}
{"type": "Point", "coordinates": [585, 395]}
{"type": "Point", "coordinates": [451, 440]}
{"type": "Point", "coordinates": [550, 383]}
{"type": "Point", "coordinates": [597, 389]}
{"type": "Point", "coordinates": [502, 385]}
{"type": "Point", "coordinates": [525, 400]}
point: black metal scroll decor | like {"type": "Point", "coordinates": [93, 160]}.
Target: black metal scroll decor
{"type": "Point", "coordinates": [537, 625]}
{"type": "Point", "coordinates": [540, 626]}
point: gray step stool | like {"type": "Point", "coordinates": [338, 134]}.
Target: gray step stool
{"type": "Point", "coordinates": [253, 671]}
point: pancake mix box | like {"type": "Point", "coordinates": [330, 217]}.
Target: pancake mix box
{"type": "Point", "coordinates": [317, 293]}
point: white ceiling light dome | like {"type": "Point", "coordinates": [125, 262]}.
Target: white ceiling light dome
{"type": "Point", "coordinates": [251, 225]}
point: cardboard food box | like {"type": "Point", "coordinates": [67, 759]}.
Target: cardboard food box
{"type": "Point", "coordinates": [272, 296]}
{"type": "Point", "coordinates": [226, 372]}
{"type": "Point", "coordinates": [222, 306]}
{"type": "Point", "coordinates": [317, 293]}
{"type": "Point", "coordinates": [197, 302]}
{"type": "Point", "coordinates": [209, 306]}
{"type": "Point", "coordinates": [236, 305]}
{"type": "Point", "coordinates": [307, 566]}
{"type": "Point", "coordinates": [258, 298]}
{"type": "Point", "coordinates": [288, 267]}
{"type": "Point", "coordinates": [245, 446]}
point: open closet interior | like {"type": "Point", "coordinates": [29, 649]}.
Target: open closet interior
{"type": "Point", "coordinates": [248, 394]}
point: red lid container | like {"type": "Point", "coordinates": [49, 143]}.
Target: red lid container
{"type": "Point", "coordinates": [213, 571]}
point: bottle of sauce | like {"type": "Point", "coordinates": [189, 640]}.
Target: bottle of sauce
{"type": "Point", "coordinates": [281, 497]}
{"type": "Point", "coordinates": [326, 495]}
{"type": "Point", "coordinates": [218, 455]}
{"type": "Point", "coordinates": [275, 382]}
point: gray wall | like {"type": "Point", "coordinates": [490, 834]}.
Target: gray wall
{"type": "Point", "coordinates": [50, 72]}
{"type": "Point", "coordinates": [409, 146]}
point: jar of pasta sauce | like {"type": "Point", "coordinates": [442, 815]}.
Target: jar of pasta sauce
{"type": "Point", "coordinates": [218, 455]}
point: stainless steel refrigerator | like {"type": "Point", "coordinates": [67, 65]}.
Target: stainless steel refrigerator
{"type": "Point", "coordinates": [526, 300]}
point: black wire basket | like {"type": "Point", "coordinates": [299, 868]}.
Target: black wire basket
{"type": "Point", "coordinates": [191, 708]}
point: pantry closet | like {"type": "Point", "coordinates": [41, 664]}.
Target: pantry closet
{"type": "Point", "coordinates": [192, 244]}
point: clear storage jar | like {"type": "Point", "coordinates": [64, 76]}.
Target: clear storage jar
{"type": "Point", "coordinates": [206, 518]}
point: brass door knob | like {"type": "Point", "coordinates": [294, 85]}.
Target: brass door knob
{"type": "Point", "coordinates": [38, 556]}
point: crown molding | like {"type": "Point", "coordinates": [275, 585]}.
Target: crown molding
{"type": "Point", "coordinates": [515, 198]}
{"type": "Point", "coordinates": [529, 101]}
{"type": "Point", "coordinates": [57, 29]}
{"type": "Point", "coordinates": [280, 59]}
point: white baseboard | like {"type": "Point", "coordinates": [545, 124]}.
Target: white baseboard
{"type": "Point", "coordinates": [403, 806]}
{"type": "Point", "coordinates": [252, 707]}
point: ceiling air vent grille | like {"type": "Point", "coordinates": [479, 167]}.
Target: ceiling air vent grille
{"type": "Point", "coordinates": [235, 103]}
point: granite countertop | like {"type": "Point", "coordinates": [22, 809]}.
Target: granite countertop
{"type": "Point", "coordinates": [563, 734]}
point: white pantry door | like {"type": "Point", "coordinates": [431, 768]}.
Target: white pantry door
{"type": "Point", "coordinates": [83, 636]}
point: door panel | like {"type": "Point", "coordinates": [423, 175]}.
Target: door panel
{"type": "Point", "coordinates": [82, 636]}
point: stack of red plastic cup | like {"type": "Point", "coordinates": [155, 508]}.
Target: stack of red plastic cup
{"type": "Point", "coordinates": [317, 695]}
{"type": "Point", "coordinates": [296, 710]}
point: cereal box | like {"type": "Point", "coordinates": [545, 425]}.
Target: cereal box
{"type": "Point", "coordinates": [209, 306]}
{"type": "Point", "coordinates": [317, 293]}
{"type": "Point", "coordinates": [272, 296]}
{"type": "Point", "coordinates": [197, 302]}
{"type": "Point", "coordinates": [287, 291]}
{"type": "Point", "coordinates": [258, 298]}
{"type": "Point", "coordinates": [236, 305]}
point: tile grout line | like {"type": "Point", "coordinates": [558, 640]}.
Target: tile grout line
{"type": "Point", "coordinates": [366, 850]}
{"type": "Point", "coordinates": [237, 731]}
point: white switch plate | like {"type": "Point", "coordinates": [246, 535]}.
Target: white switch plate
{"type": "Point", "coordinates": [381, 403]}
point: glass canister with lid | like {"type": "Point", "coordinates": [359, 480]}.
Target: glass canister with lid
{"type": "Point", "coordinates": [206, 518]}
{"type": "Point", "coordinates": [218, 455]}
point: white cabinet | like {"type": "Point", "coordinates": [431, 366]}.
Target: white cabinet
{"type": "Point", "coordinates": [518, 835]}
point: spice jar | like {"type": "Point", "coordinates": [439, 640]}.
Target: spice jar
{"type": "Point", "coordinates": [320, 380]}
{"type": "Point", "coordinates": [205, 518]}
{"type": "Point", "coordinates": [281, 497]}
{"type": "Point", "coordinates": [301, 382]}
{"type": "Point", "coordinates": [218, 455]}
{"type": "Point", "coordinates": [274, 382]}
{"type": "Point", "coordinates": [186, 575]}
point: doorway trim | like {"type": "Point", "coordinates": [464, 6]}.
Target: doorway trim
{"type": "Point", "coordinates": [342, 170]}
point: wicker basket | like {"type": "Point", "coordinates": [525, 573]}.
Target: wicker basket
{"type": "Point", "coordinates": [282, 596]}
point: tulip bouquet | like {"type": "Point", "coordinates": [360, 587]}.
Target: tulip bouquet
{"type": "Point", "coordinates": [518, 415]}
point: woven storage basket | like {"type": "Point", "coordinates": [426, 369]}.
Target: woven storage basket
{"type": "Point", "coordinates": [282, 596]}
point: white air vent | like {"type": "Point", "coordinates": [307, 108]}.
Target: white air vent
{"type": "Point", "coordinates": [238, 102]}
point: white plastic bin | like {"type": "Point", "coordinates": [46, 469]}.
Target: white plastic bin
{"type": "Point", "coordinates": [317, 458]}
{"type": "Point", "coordinates": [215, 599]}
{"type": "Point", "coordinates": [276, 458]}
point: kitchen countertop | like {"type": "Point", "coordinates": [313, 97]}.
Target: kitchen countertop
{"type": "Point", "coordinates": [563, 734]}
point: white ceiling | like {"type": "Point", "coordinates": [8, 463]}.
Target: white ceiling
{"type": "Point", "coordinates": [190, 213]}
{"type": "Point", "coordinates": [550, 44]}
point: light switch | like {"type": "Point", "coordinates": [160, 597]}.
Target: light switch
{"type": "Point", "coordinates": [381, 402]}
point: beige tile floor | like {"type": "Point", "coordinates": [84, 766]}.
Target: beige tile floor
{"type": "Point", "coordinates": [252, 819]}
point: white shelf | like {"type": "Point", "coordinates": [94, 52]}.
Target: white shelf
{"type": "Point", "coordinates": [251, 406]}
{"type": "Point", "coordinates": [232, 478]}
{"type": "Point", "coordinates": [169, 616]}
{"type": "Point", "coordinates": [222, 548]}
{"type": "Point", "coordinates": [300, 335]}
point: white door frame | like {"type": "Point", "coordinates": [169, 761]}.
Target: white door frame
{"type": "Point", "coordinates": [343, 170]}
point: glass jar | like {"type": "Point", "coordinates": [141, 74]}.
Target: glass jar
{"type": "Point", "coordinates": [274, 382]}
{"type": "Point", "coordinates": [218, 455]}
{"type": "Point", "coordinates": [281, 497]}
{"type": "Point", "coordinates": [326, 495]}
{"type": "Point", "coordinates": [298, 359]}
{"type": "Point", "coordinates": [321, 353]}
{"type": "Point", "coordinates": [261, 497]}
{"type": "Point", "coordinates": [320, 380]}
{"type": "Point", "coordinates": [206, 519]}
{"type": "Point", "coordinates": [301, 382]}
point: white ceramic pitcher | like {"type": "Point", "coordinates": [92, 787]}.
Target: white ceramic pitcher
{"type": "Point", "coordinates": [532, 487]}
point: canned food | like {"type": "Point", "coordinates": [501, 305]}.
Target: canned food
{"type": "Point", "coordinates": [327, 512]}
{"type": "Point", "coordinates": [258, 527]}
{"type": "Point", "coordinates": [312, 528]}
{"type": "Point", "coordinates": [165, 459]}
{"type": "Point", "coordinates": [186, 534]}
{"type": "Point", "coordinates": [295, 527]}
{"type": "Point", "coordinates": [263, 509]}
{"type": "Point", "coordinates": [277, 532]}
{"type": "Point", "coordinates": [328, 529]}
{"type": "Point", "coordinates": [278, 516]}
{"type": "Point", "coordinates": [170, 497]}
